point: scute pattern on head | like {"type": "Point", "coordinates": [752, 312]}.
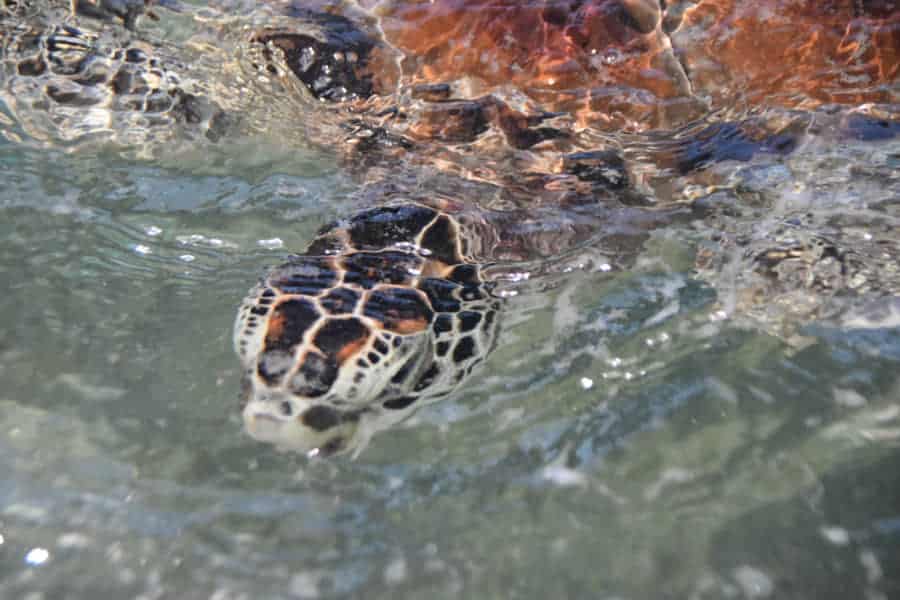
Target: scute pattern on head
{"type": "Point", "coordinates": [334, 345]}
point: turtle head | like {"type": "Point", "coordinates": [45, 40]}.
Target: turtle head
{"type": "Point", "coordinates": [380, 315]}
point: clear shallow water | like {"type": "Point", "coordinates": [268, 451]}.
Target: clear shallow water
{"type": "Point", "coordinates": [622, 442]}
{"type": "Point", "coordinates": [634, 435]}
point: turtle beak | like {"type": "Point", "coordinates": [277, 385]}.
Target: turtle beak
{"type": "Point", "coordinates": [264, 422]}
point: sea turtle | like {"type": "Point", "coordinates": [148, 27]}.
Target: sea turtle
{"type": "Point", "coordinates": [538, 126]}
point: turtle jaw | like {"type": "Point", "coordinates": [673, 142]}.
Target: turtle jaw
{"type": "Point", "coordinates": [318, 430]}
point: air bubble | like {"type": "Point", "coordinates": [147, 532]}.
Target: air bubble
{"type": "Point", "coordinates": [271, 244]}
{"type": "Point", "coordinates": [37, 556]}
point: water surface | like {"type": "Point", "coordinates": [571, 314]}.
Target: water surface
{"type": "Point", "coordinates": [634, 435]}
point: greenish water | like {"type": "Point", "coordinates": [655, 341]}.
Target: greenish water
{"type": "Point", "coordinates": [624, 441]}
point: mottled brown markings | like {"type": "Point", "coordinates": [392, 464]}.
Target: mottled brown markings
{"type": "Point", "coordinates": [368, 269]}
{"type": "Point", "coordinates": [552, 57]}
{"type": "Point", "coordinates": [306, 275]}
{"type": "Point", "coordinates": [440, 294]}
{"type": "Point", "coordinates": [370, 299]}
{"type": "Point", "coordinates": [469, 320]}
{"type": "Point", "coordinates": [434, 268]}
{"type": "Point", "coordinates": [329, 243]}
{"type": "Point", "coordinates": [404, 371]}
{"type": "Point", "coordinates": [341, 338]}
{"type": "Point", "coordinates": [401, 310]}
{"type": "Point", "coordinates": [441, 240]}
{"type": "Point", "coordinates": [315, 376]}
{"type": "Point", "coordinates": [289, 321]}
{"type": "Point", "coordinates": [428, 377]}
{"type": "Point", "coordinates": [320, 60]}
{"type": "Point", "coordinates": [464, 350]}
{"type": "Point", "coordinates": [443, 324]}
{"type": "Point", "coordinates": [433, 92]}
{"type": "Point", "coordinates": [380, 346]}
{"type": "Point", "coordinates": [458, 121]}
{"type": "Point", "coordinates": [386, 226]}
{"type": "Point", "coordinates": [340, 300]}
{"type": "Point", "coordinates": [350, 349]}
{"type": "Point", "coordinates": [273, 365]}
{"type": "Point", "coordinates": [464, 274]}
{"type": "Point", "coordinates": [471, 293]}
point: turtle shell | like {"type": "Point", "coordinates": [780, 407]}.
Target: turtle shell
{"type": "Point", "coordinates": [789, 53]}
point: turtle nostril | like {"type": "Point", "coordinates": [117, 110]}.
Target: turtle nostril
{"type": "Point", "coordinates": [286, 408]}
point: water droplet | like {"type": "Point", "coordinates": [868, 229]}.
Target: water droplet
{"type": "Point", "coordinates": [836, 535]}
{"type": "Point", "coordinates": [612, 56]}
{"type": "Point", "coordinates": [586, 383]}
{"type": "Point", "coordinates": [396, 571]}
{"type": "Point", "coordinates": [37, 556]}
{"type": "Point", "coordinates": [271, 244]}
{"type": "Point", "coordinates": [564, 476]}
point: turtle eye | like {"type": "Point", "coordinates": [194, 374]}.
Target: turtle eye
{"type": "Point", "coordinates": [332, 446]}
{"type": "Point", "coordinates": [286, 408]}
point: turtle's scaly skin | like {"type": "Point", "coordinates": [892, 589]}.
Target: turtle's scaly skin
{"type": "Point", "coordinates": [608, 62]}
{"type": "Point", "coordinates": [72, 85]}
{"type": "Point", "coordinates": [796, 54]}
{"type": "Point", "coordinates": [381, 314]}
{"type": "Point", "coordinates": [605, 64]}
{"type": "Point", "coordinates": [393, 306]}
